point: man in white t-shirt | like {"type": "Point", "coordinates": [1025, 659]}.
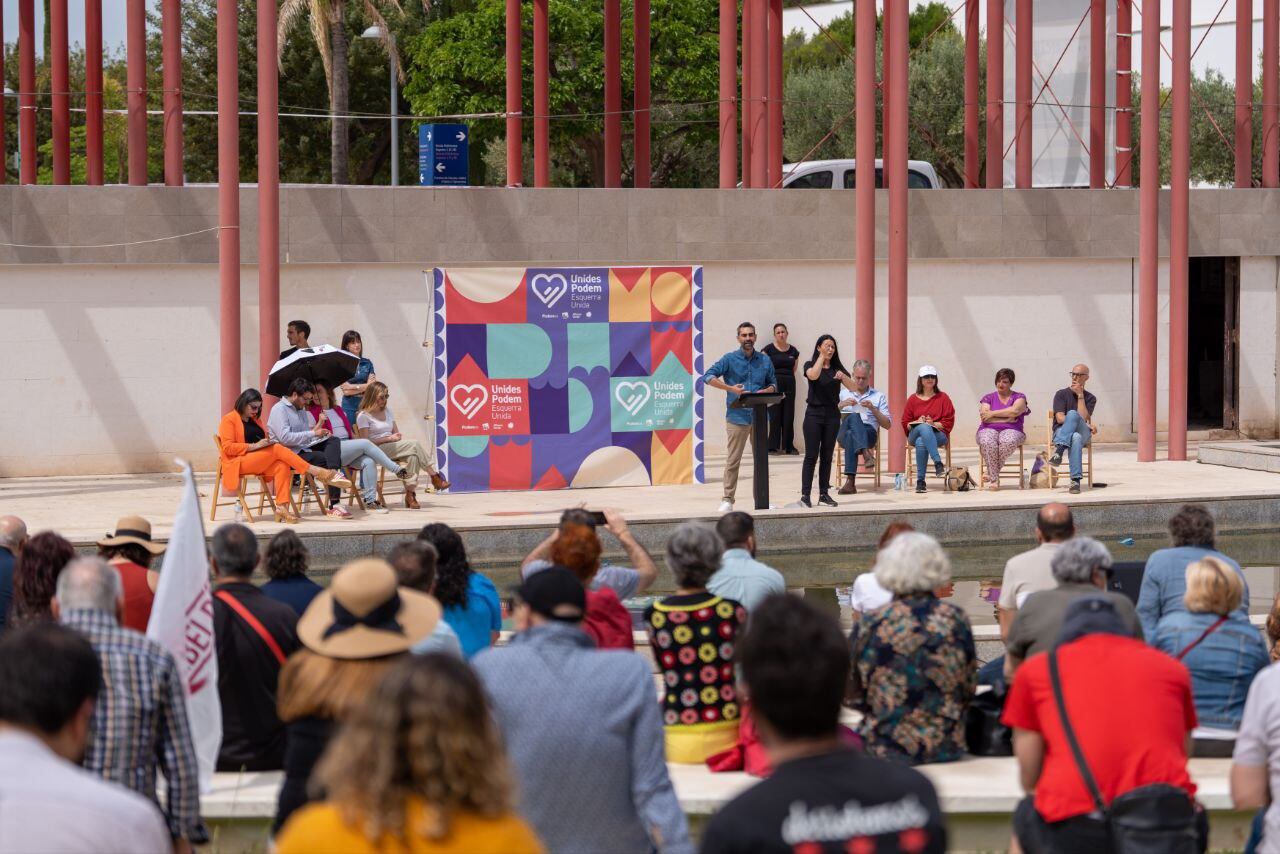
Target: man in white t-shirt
{"type": "Point", "coordinates": [1029, 572]}
{"type": "Point", "coordinates": [622, 580]}
{"type": "Point", "coordinates": [51, 679]}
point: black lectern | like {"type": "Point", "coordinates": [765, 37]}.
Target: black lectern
{"type": "Point", "coordinates": [758, 402]}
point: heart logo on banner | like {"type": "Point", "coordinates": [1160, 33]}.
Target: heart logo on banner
{"type": "Point", "coordinates": [549, 289]}
{"type": "Point", "coordinates": [469, 399]}
{"type": "Point", "coordinates": [632, 396]}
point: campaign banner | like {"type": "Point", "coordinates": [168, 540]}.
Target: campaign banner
{"type": "Point", "coordinates": [568, 377]}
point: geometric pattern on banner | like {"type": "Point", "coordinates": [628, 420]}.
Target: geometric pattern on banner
{"type": "Point", "coordinates": [563, 377]}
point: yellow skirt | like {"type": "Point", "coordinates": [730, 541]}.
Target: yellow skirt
{"type": "Point", "coordinates": [691, 744]}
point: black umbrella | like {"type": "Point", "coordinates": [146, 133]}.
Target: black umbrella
{"type": "Point", "coordinates": [322, 364]}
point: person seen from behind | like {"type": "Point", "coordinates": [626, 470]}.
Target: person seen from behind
{"type": "Point", "coordinates": [470, 601]}
{"type": "Point", "coordinates": [607, 621]}
{"type": "Point", "coordinates": [741, 577]}
{"type": "Point", "coordinates": [1164, 580]}
{"type": "Point", "coordinates": [626, 581]}
{"type": "Point", "coordinates": [130, 550]}
{"type": "Point", "coordinates": [415, 562]}
{"type": "Point", "coordinates": [13, 536]}
{"type": "Point", "coordinates": [285, 564]}
{"type": "Point", "coordinates": [35, 578]}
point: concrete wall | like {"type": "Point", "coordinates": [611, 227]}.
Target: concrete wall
{"type": "Point", "coordinates": [116, 345]}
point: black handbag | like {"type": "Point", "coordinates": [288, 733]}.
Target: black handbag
{"type": "Point", "coordinates": [984, 734]}
{"type": "Point", "coordinates": [1154, 819]}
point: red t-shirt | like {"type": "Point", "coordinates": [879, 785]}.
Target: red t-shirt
{"type": "Point", "coordinates": [608, 621]}
{"type": "Point", "coordinates": [137, 595]}
{"type": "Point", "coordinates": [939, 407]}
{"type": "Point", "coordinates": [1131, 709]}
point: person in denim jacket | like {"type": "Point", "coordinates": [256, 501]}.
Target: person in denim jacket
{"type": "Point", "coordinates": [1220, 647]}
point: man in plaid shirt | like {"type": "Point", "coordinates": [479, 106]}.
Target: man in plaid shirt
{"type": "Point", "coordinates": [140, 720]}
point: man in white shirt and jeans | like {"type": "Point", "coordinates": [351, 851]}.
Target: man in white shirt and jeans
{"type": "Point", "coordinates": [292, 425]}
{"type": "Point", "coordinates": [866, 412]}
{"type": "Point", "coordinates": [51, 679]}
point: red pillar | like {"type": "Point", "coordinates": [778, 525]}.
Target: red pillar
{"type": "Point", "coordinates": [228, 202]}
{"type": "Point", "coordinates": [93, 91]}
{"type": "Point", "coordinates": [515, 97]}
{"type": "Point", "coordinates": [268, 189]}
{"type": "Point", "coordinates": [748, 90]}
{"type": "Point", "coordinates": [995, 95]}
{"type": "Point", "coordinates": [1024, 42]}
{"type": "Point", "coordinates": [541, 97]}
{"type": "Point", "coordinates": [972, 164]}
{"type": "Point", "coordinates": [136, 85]}
{"type": "Point", "coordinates": [171, 54]}
{"type": "Point", "coordinates": [1179, 184]}
{"type": "Point", "coordinates": [898, 228]}
{"type": "Point", "coordinates": [1270, 92]}
{"type": "Point", "coordinates": [886, 73]}
{"type": "Point", "coordinates": [1244, 93]}
{"type": "Point", "coordinates": [728, 94]}
{"type": "Point", "coordinates": [61, 92]}
{"type": "Point", "coordinates": [1124, 93]}
{"type": "Point", "coordinates": [775, 93]}
{"type": "Point", "coordinates": [760, 89]}
{"type": "Point", "coordinates": [643, 173]}
{"type": "Point", "coordinates": [612, 93]}
{"type": "Point", "coordinates": [1097, 94]}
{"type": "Point", "coordinates": [1149, 233]}
{"type": "Point", "coordinates": [865, 192]}
{"type": "Point", "coordinates": [26, 92]}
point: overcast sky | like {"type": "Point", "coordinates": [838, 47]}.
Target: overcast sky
{"type": "Point", "coordinates": [112, 22]}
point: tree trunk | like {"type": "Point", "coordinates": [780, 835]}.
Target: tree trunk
{"type": "Point", "coordinates": [338, 99]}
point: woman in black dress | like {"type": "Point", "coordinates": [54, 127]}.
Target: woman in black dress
{"type": "Point", "coordinates": [826, 373]}
{"type": "Point", "coordinates": [782, 416]}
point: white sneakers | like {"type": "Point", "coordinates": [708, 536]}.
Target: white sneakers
{"type": "Point", "coordinates": [725, 507]}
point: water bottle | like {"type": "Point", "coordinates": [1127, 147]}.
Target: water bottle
{"type": "Point", "coordinates": [899, 480]}
{"type": "Point", "coordinates": [239, 514]}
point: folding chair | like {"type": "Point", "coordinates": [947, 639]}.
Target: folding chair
{"type": "Point", "coordinates": [1005, 473]}
{"type": "Point", "coordinates": [242, 496]}
{"type": "Point", "coordinates": [879, 450]}
{"type": "Point", "coordinates": [1086, 462]}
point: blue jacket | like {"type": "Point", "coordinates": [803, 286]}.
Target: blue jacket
{"type": "Point", "coordinates": [1222, 665]}
{"type": "Point", "coordinates": [583, 730]}
{"type": "Point", "coordinates": [1164, 583]}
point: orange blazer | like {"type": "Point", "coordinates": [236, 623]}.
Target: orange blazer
{"type": "Point", "coordinates": [234, 447]}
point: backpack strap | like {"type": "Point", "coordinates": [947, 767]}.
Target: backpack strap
{"type": "Point", "coordinates": [252, 622]}
{"type": "Point", "coordinates": [1090, 783]}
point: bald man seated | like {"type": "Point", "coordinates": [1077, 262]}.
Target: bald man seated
{"type": "Point", "coordinates": [1030, 572]}
{"type": "Point", "coordinates": [1073, 423]}
{"type": "Point", "coordinates": [13, 535]}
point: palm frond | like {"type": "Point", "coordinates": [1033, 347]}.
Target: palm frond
{"type": "Point", "coordinates": [388, 44]}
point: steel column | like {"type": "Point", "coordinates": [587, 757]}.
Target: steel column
{"type": "Point", "coordinates": [1124, 93]}
{"type": "Point", "coordinates": [171, 53]}
{"type": "Point", "coordinates": [1024, 44]}
{"type": "Point", "coordinates": [515, 108]}
{"type": "Point", "coordinates": [1179, 184]}
{"type": "Point", "coordinates": [865, 184]}
{"type": "Point", "coordinates": [61, 86]}
{"type": "Point", "coordinates": [898, 227]}
{"type": "Point", "coordinates": [26, 92]}
{"type": "Point", "coordinates": [1244, 93]}
{"type": "Point", "coordinates": [775, 93]}
{"type": "Point", "coordinates": [643, 171]}
{"type": "Point", "coordinates": [541, 97]}
{"type": "Point", "coordinates": [972, 162]}
{"type": "Point", "coordinates": [1149, 233]}
{"type": "Point", "coordinates": [228, 202]}
{"type": "Point", "coordinates": [612, 93]}
{"type": "Point", "coordinates": [995, 95]}
{"type": "Point", "coordinates": [136, 88]}
{"type": "Point", "coordinates": [1097, 94]}
{"type": "Point", "coordinates": [93, 91]}
{"type": "Point", "coordinates": [268, 190]}
{"type": "Point", "coordinates": [728, 94]}
{"type": "Point", "coordinates": [1270, 93]}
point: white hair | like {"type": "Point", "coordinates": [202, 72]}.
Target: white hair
{"type": "Point", "coordinates": [912, 562]}
{"type": "Point", "coordinates": [89, 584]}
{"type": "Point", "coordinates": [1077, 558]}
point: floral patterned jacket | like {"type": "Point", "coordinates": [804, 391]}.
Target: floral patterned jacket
{"type": "Point", "coordinates": [914, 673]}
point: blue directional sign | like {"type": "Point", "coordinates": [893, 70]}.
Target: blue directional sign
{"type": "Point", "coordinates": [442, 155]}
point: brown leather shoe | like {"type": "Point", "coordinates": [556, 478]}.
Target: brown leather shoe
{"type": "Point", "coordinates": [438, 481]}
{"type": "Point", "coordinates": [410, 500]}
{"type": "Point", "coordinates": [850, 487]}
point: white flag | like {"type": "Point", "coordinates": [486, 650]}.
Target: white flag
{"type": "Point", "coordinates": [182, 622]}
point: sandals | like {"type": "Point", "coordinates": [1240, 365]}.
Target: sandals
{"type": "Point", "coordinates": [285, 514]}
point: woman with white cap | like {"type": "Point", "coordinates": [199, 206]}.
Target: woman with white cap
{"type": "Point", "coordinates": [351, 635]}
{"type": "Point", "coordinates": [927, 420]}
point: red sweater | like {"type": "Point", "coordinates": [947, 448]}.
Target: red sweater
{"type": "Point", "coordinates": [939, 407]}
{"type": "Point", "coordinates": [607, 620]}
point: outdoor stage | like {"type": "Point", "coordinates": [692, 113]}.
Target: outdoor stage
{"type": "Point", "coordinates": [502, 527]}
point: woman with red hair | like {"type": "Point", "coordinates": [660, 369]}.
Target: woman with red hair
{"type": "Point", "coordinates": [607, 621]}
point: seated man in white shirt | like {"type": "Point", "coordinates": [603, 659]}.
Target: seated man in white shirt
{"type": "Point", "coordinates": [51, 679]}
{"type": "Point", "coordinates": [741, 577]}
{"type": "Point", "coordinates": [866, 412]}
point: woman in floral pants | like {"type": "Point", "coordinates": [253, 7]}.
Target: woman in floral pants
{"type": "Point", "coordinates": [1001, 412]}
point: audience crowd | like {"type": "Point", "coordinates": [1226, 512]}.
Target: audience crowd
{"type": "Point", "coordinates": [399, 721]}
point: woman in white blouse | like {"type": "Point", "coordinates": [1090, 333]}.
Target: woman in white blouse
{"type": "Point", "coordinates": [375, 422]}
{"type": "Point", "coordinates": [355, 449]}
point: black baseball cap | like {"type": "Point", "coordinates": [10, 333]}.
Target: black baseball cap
{"type": "Point", "coordinates": [555, 593]}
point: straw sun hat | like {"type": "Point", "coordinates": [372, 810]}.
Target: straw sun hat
{"type": "Point", "coordinates": [133, 529]}
{"type": "Point", "coordinates": [365, 614]}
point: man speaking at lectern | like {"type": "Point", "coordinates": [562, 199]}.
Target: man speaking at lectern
{"type": "Point", "coordinates": [736, 372]}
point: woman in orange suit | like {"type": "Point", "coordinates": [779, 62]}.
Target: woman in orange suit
{"type": "Point", "coordinates": [247, 451]}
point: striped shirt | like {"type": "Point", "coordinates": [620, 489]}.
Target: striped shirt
{"type": "Point", "coordinates": [140, 721]}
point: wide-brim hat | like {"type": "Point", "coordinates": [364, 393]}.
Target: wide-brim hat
{"type": "Point", "coordinates": [135, 530]}
{"type": "Point", "coordinates": [364, 613]}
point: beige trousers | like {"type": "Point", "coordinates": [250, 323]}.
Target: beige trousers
{"type": "Point", "coordinates": [411, 455]}
{"type": "Point", "coordinates": [738, 435]}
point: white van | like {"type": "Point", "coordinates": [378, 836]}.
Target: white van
{"type": "Point", "coordinates": [826, 174]}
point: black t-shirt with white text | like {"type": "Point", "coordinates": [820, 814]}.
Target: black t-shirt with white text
{"type": "Point", "coordinates": [836, 802]}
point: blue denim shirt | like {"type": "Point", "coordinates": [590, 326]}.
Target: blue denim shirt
{"type": "Point", "coordinates": [752, 374]}
{"type": "Point", "coordinates": [1222, 665]}
{"type": "Point", "coordinates": [1164, 583]}
{"type": "Point", "coordinates": [351, 402]}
